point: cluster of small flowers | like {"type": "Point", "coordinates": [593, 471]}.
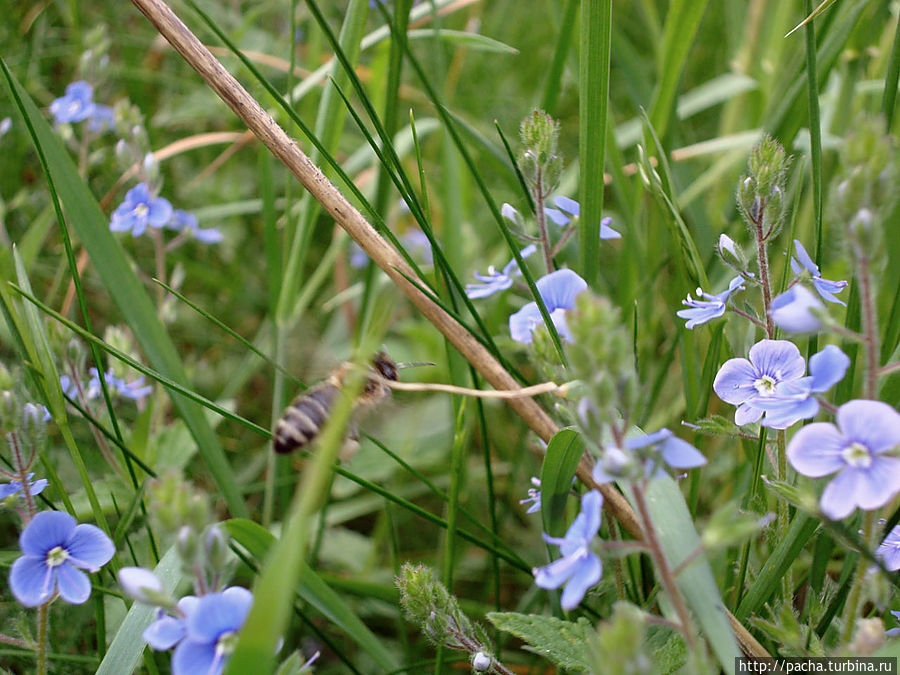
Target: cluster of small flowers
{"type": "Point", "coordinates": [772, 388]}
{"type": "Point", "coordinates": [141, 209]}
{"type": "Point", "coordinates": [134, 390]}
{"type": "Point", "coordinates": [202, 630]}
{"type": "Point", "coordinates": [78, 105]}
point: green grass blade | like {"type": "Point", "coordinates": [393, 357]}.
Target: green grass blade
{"type": "Point", "coordinates": [768, 581]}
{"type": "Point", "coordinates": [127, 645]}
{"type": "Point", "coordinates": [564, 451]}
{"type": "Point", "coordinates": [679, 540]}
{"type": "Point", "coordinates": [889, 99]}
{"type": "Point", "coordinates": [258, 542]}
{"type": "Point", "coordinates": [115, 272]}
{"type": "Point", "coordinates": [815, 129]}
{"type": "Point", "coordinates": [553, 83]}
{"type": "Point", "coordinates": [682, 21]}
{"type": "Point", "coordinates": [593, 107]}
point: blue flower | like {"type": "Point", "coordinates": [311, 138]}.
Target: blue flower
{"type": "Point", "coordinates": [824, 287]}
{"type": "Point", "coordinates": [5, 126]}
{"type": "Point", "coordinates": [889, 550]}
{"type": "Point", "coordinates": [558, 290]}
{"type": "Point", "coordinates": [665, 448]}
{"type": "Point", "coordinates": [569, 209]}
{"type": "Point", "coordinates": [56, 549]}
{"type": "Point", "coordinates": [534, 496]}
{"type": "Point", "coordinates": [741, 382]}
{"type": "Point", "coordinates": [211, 632]}
{"type": "Point", "coordinates": [494, 281]}
{"type": "Point", "coordinates": [134, 390]}
{"type": "Point", "coordinates": [793, 401]}
{"type": "Point", "coordinates": [14, 487]}
{"type": "Point", "coordinates": [795, 310]}
{"type": "Point", "coordinates": [76, 105]}
{"type": "Point", "coordinates": [858, 450]}
{"type": "Point", "coordinates": [579, 568]}
{"type": "Point", "coordinates": [711, 308]}
{"type": "Point", "coordinates": [140, 210]}
{"type": "Point", "coordinates": [102, 118]}
{"type": "Point", "coordinates": [185, 221]}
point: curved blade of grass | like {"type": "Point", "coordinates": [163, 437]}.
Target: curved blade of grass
{"type": "Point", "coordinates": [564, 451]}
{"type": "Point", "coordinates": [593, 109]}
{"type": "Point", "coordinates": [891, 77]}
{"type": "Point", "coordinates": [674, 527]}
{"type": "Point", "coordinates": [128, 644]}
{"type": "Point", "coordinates": [466, 39]}
{"type": "Point", "coordinates": [560, 52]}
{"type": "Point", "coordinates": [115, 272]}
{"type": "Point", "coordinates": [681, 24]}
{"type": "Point", "coordinates": [269, 616]}
{"type": "Point", "coordinates": [258, 542]}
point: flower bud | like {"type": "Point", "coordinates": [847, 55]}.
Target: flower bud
{"type": "Point", "coordinates": [144, 586]}
{"type": "Point", "coordinates": [187, 545]}
{"type": "Point", "coordinates": [34, 424]}
{"type": "Point", "coordinates": [481, 662]}
{"type": "Point", "coordinates": [216, 547]}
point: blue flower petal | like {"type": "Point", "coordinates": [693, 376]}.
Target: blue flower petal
{"type": "Point", "coordinates": [31, 581]}
{"type": "Point", "coordinates": [815, 450]}
{"type": "Point", "coordinates": [747, 414]}
{"type": "Point", "coordinates": [219, 613]}
{"type": "Point", "coordinates": [45, 531]}
{"type": "Point", "coordinates": [568, 205]}
{"type": "Point", "coordinates": [589, 571]}
{"type": "Point", "coordinates": [194, 658]}
{"type": "Point", "coordinates": [606, 232]}
{"type": "Point", "coordinates": [805, 259]}
{"type": "Point", "coordinates": [734, 381]}
{"type": "Point", "coordinates": [559, 288]}
{"type": "Point", "coordinates": [788, 412]}
{"type": "Point", "coordinates": [73, 585]}
{"type": "Point", "coordinates": [558, 217]}
{"type": "Point", "coordinates": [160, 212]}
{"type": "Point", "coordinates": [827, 368]}
{"type": "Point", "coordinates": [680, 454]}
{"type": "Point", "coordinates": [873, 423]}
{"type": "Point", "coordinates": [164, 633]}
{"type": "Point", "coordinates": [779, 359]}
{"type": "Point", "coordinates": [792, 311]}
{"type": "Point", "coordinates": [89, 547]}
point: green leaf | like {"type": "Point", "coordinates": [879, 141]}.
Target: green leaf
{"type": "Point", "coordinates": [463, 39]}
{"type": "Point", "coordinates": [563, 642]}
{"type": "Point", "coordinates": [257, 540]}
{"type": "Point", "coordinates": [674, 528]}
{"type": "Point", "coordinates": [563, 454]}
{"type": "Point", "coordinates": [119, 279]}
{"type": "Point", "coordinates": [769, 580]}
{"type": "Point", "coordinates": [128, 644]}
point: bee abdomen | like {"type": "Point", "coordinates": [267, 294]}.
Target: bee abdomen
{"type": "Point", "coordinates": [303, 419]}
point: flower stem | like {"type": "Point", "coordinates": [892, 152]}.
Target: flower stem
{"type": "Point", "coordinates": [763, 260]}
{"type": "Point", "coordinates": [43, 616]}
{"type": "Point", "coordinates": [22, 471]}
{"type": "Point", "coordinates": [665, 573]}
{"type": "Point", "coordinates": [870, 326]}
{"type": "Point", "coordinates": [539, 197]}
{"type": "Point", "coordinates": [851, 608]}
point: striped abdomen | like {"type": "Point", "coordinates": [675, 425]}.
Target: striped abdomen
{"type": "Point", "coordinates": [304, 417]}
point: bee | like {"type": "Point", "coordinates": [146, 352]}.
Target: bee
{"type": "Point", "coordinates": [304, 418]}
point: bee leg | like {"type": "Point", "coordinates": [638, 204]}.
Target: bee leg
{"type": "Point", "coordinates": [351, 444]}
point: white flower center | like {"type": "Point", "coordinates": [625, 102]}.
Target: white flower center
{"type": "Point", "coordinates": [225, 644]}
{"type": "Point", "coordinates": [857, 455]}
{"type": "Point", "coordinates": [56, 556]}
{"type": "Point", "coordinates": [141, 210]}
{"type": "Point", "coordinates": [765, 385]}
